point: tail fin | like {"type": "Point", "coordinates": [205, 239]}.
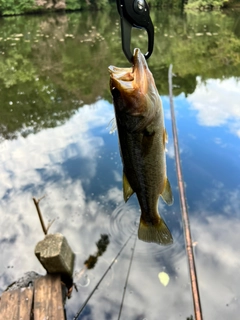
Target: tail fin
{"type": "Point", "coordinates": [157, 232]}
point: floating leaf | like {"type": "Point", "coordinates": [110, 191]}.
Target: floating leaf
{"type": "Point", "coordinates": [163, 278]}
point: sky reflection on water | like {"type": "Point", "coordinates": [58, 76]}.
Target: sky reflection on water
{"type": "Point", "coordinates": [76, 164]}
{"type": "Point", "coordinates": [86, 201]}
{"type": "Point", "coordinates": [208, 124]}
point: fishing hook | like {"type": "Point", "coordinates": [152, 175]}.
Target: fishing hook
{"type": "Point", "coordinates": [135, 13]}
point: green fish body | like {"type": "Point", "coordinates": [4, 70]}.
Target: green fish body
{"type": "Point", "coordinates": [142, 138]}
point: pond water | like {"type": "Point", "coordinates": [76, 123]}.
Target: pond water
{"type": "Point", "coordinates": [56, 140]}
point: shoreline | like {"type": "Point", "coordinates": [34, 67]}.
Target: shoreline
{"type": "Point", "coordinates": [40, 10]}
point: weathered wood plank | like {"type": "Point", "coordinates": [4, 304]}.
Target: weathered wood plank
{"type": "Point", "coordinates": [48, 304]}
{"type": "Point", "coordinates": [16, 305]}
{"type": "Point", "coordinates": [57, 298]}
{"type": "Point", "coordinates": [48, 298]}
{"type": "Point", "coordinates": [26, 302]}
{"type": "Point", "coordinates": [9, 305]}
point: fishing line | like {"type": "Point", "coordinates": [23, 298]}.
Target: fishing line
{"type": "Point", "coordinates": [126, 282]}
{"type": "Point", "coordinates": [185, 218]}
{"type": "Point", "coordinates": [95, 288]}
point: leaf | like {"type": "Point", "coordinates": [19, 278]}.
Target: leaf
{"type": "Point", "coordinates": [163, 278]}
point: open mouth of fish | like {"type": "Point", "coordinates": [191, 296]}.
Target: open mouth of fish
{"type": "Point", "coordinates": [136, 86]}
{"type": "Point", "coordinates": [135, 77]}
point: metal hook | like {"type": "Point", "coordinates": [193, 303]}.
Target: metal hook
{"type": "Point", "coordinates": [135, 13]}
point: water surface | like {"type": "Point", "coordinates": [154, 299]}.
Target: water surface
{"type": "Point", "coordinates": [56, 140]}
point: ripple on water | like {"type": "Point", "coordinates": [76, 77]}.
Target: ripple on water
{"type": "Point", "coordinates": [124, 221]}
{"type": "Point", "coordinates": [85, 276]}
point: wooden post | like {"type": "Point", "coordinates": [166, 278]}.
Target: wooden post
{"type": "Point", "coordinates": [48, 292]}
{"type": "Point", "coordinates": [16, 304]}
{"type": "Point", "coordinates": [48, 298]}
{"type": "Point", "coordinates": [48, 301]}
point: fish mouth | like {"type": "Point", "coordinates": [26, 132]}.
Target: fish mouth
{"type": "Point", "coordinates": [131, 79]}
{"type": "Point", "coordinates": [133, 89]}
{"type": "Point", "coordinates": [140, 67]}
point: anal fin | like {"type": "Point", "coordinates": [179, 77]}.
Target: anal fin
{"type": "Point", "coordinates": [167, 193]}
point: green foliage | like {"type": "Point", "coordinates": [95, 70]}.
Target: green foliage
{"type": "Point", "coordinates": [96, 4]}
{"type": "Point", "coordinates": [73, 4]}
{"type": "Point", "coordinates": [165, 3]}
{"type": "Point", "coordinates": [12, 7]}
{"type": "Point", "coordinates": [52, 65]}
{"type": "Point", "coordinates": [15, 7]}
{"type": "Point", "coordinates": [16, 68]}
{"type": "Point", "coordinates": [205, 4]}
{"type": "Point", "coordinates": [101, 4]}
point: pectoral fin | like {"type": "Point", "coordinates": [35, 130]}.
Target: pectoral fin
{"type": "Point", "coordinates": [167, 193]}
{"type": "Point", "coordinates": [112, 125]}
{"type": "Point", "coordinates": [127, 189]}
{"type": "Point", "coordinates": [165, 138]}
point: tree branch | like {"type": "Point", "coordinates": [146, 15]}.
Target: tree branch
{"type": "Point", "coordinates": [36, 202]}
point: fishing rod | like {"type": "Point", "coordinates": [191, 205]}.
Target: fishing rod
{"type": "Point", "coordinates": [185, 217]}
{"type": "Point", "coordinates": [126, 282]}
{"type": "Point", "coordinates": [105, 273]}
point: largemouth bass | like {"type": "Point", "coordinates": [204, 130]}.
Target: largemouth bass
{"type": "Point", "coordinates": [142, 138]}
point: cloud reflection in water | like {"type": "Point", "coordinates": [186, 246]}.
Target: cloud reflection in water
{"type": "Point", "coordinates": [77, 166]}
{"type": "Point", "coordinates": [217, 103]}
{"type": "Point", "coordinates": [64, 163]}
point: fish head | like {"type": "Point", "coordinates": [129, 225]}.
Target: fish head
{"type": "Point", "coordinates": [133, 89]}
